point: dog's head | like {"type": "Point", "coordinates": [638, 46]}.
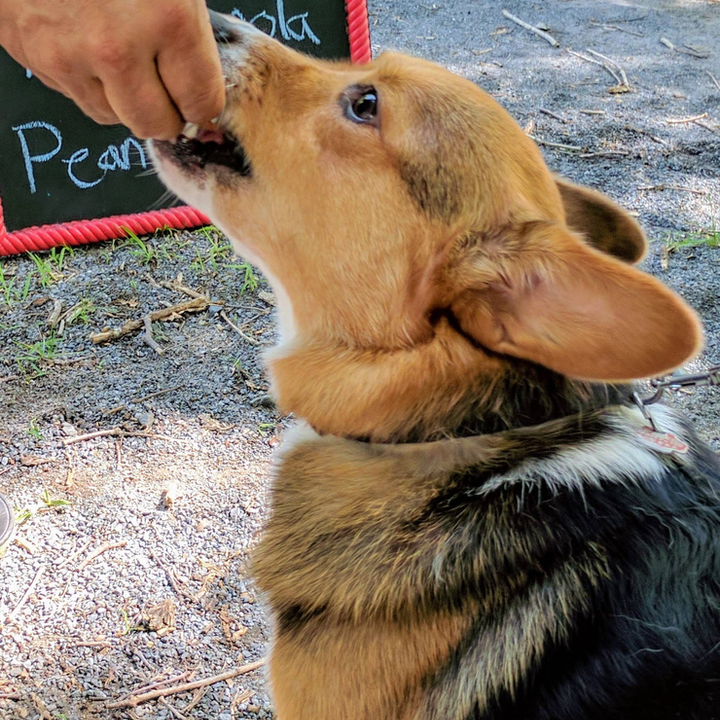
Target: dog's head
{"type": "Point", "coordinates": [413, 234]}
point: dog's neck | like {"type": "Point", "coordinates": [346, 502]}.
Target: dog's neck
{"type": "Point", "coordinates": [424, 393]}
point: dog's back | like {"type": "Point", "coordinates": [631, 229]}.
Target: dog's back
{"type": "Point", "coordinates": [560, 572]}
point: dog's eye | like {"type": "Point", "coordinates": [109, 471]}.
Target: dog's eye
{"type": "Point", "coordinates": [361, 105]}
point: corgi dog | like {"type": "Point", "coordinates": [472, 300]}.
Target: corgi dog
{"type": "Point", "coordinates": [472, 519]}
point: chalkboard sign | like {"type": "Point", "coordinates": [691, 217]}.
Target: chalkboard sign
{"type": "Point", "coordinates": [66, 180]}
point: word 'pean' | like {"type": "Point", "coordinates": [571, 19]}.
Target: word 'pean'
{"type": "Point", "coordinates": [81, 173]}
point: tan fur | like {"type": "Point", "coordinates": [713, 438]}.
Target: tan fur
{"type": "Point", "coordinates": [418, 264]}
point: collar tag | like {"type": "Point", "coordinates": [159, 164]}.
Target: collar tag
{"type": "Point", "coordinates": [664, 443]}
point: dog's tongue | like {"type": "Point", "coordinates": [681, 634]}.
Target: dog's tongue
{"type": "Point", "coordinates": [206, 135]}
{"type": "Point", "coordinates": [202, 134]}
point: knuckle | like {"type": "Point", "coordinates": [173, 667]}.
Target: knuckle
{"type": "Point", "coordinates": [113, 56]}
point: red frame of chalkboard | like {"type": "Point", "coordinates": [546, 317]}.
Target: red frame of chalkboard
{"type": "Point", "coordinates": [80, 232]}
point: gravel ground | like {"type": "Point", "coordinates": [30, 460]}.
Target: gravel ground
{"type": "Point", "coordinates": [177, 510]}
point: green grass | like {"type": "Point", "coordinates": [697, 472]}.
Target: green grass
{"type": "Point", "coordinates": [46, 273]}
{"type": "Point", "coordinates": [250, 280]}
{"type": "Point", "coordinates": [142, 251]}
{"type": "Point", "coordinates": [11, 290]}
{"type": "Point", "coordinates": [81, 312]}
{"type": "Point", "coordinates": [707, 238]}
{"type": "Point", "coordinates": [32, 357]}
{"type": "Point", "coordinates": [34, 430]}
{"type": "Point", "coordinates": [22, 515]}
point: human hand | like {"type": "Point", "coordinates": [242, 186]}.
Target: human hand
{"type": "Point", "coordinates": [149, 64]}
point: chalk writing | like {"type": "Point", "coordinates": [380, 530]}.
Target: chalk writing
{"type": "Point", "coordinates": [112, 158]}
{"type": "Point", "coordinates": [295, 28]}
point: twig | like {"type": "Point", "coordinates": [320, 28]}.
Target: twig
{"type": "Point", "coordinates": [593, 112]}
{"type": "Point", "coordinates": [714, 79]}
{"type": "Point", "coordinates": [172, 710]}
{"type": "Point", "coordinates": [116, 431]}
{"type": "Point", "coordinates": [25, 596]}
{"type": "Point", "coordinates": [118, 453]}
{"type": "Point", "coordinates": [41, 707]}
{"type": "Point", "coordinates": [156, 394]}
{"type": "Point", "coordinates": [244, 336]}
{"type": "Point", "coordinates": [54, 316]}
{"type": "Point", "coordinates": [10, 696]}
{"type": "Point", "coordinates": [539, 141]}
{"type": "Point", "coordinates": [89, 436]}
{"type": "Point", "coordinates": [197, 697]}
{"type": "Point", "coordinates": [164, 692]}
{"type": "Point", "coordinates": [605, 153]}
{"type": "Point", "coordinates": [706, 126]}
{"type": "Point", "coordinates": [95, 553]}
{"type": "Point", "coordinates": [194, 305]}
{"type": "Point", "coordinates": [608, 26]}
{"type": "Point", "coordinates": [545, 111]}
{"type": "Point", "coordinates": [75, 555]}
{"type": "Point", "coordinates": [679, 188]}
{"type": "Point", "coordinates": [541, 33]}
{"type": "Point", "coordinates": [179, 287]}
{"type": "Point", "coordinates": [690, 51]}
{"type": "Point", "coordinates": [92, 643]}
{"type": "Point", "coordinates": [692, 119]}
{"type": "Point", "coordinates": [160, 683]}
{"type": "Point", "coordinates": [611, 63]}
{"type": "Point", "coordinates": [148, 338]}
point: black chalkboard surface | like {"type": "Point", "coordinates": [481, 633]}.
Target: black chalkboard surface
{"type": "Point", "coordinates": [58, 166]}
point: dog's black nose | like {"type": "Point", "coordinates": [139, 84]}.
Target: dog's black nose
{"type": "Point", "coordinates": [224, 28]}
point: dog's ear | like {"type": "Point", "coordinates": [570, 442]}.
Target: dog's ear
{"type": "Point", "coordinates": [601, 222]}
{"type": "Point", "coordinates": [545, 296]}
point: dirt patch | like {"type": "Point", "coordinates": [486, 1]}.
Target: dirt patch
{"type": "Point", "coordinates": [176, 497]}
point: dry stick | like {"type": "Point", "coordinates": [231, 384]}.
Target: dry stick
{"type": "Point", "coordinates": [27, 594]}
{"type": "Point", "coordinates": [179, 287]}
{"type": "Point", "coordinates": [541, 33]}
{"type": "Point", "coordinates": [10, 696]}
{"type": "Point", "coordinates": [679, 121]}
{"type": "Point", "coordinates": [172, 710]}
{"type": "Point", "coordinates": [545, 111]}
{"type": "Point", "coordinates": [194, 305]}
{"type": "Point", "coordinates": [612, 63]}
{"type": "Point", "coordinates": [199, 695]}
{"type": "Point", "coordinates": [706, 126]}
{"type": "Point", "coordinates": [164, 692]}
{"type": "Point", "coordinates": [693, 53]}
{"type": "Point", "coordinates": [714, 79]}
{"type": "Point", "coordinates": [116, 431]}
{"type": "Point", "coordinates": [605, 153]}
{"type": "Point", "coordinates": [92, 643]}
{"type": "Point", "coordinates": [75, 555]}
{"type": "Point", "coordinates": [593, 112]}
{"type": "Point", "coordinates": [249, 339]}
{"type": "Point", "coordinates": [41, 707]}
{"type": "Point", "coordinates": [616, 77]}
{"type": "Point", "coordinates": [148, 338]}
{"type": "Point", "coordinates": [607, 26]}
{"type": "Point", "coordinates": [159, 683]}
{"type": "Point", "coordinates": [679, 188]}
{"type": "Point", "coordinates": [89, 436]}
{"type": "Point", "coordinates": [539, 141]}
{"type": "Point", "coordinates": [95, 553]}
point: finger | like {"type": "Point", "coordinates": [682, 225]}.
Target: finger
{"type": "Point", "coordinates": [90, 97]}
{"type": "Point", "coordinates": [140, 100]}
{"type": "Point", "coordinates": [192, 74]}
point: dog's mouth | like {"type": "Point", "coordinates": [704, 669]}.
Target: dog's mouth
{"type": "Point", "coordinates": [199, 148]}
